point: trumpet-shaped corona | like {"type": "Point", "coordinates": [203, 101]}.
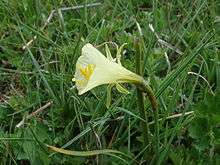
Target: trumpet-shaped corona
{"type": "Point", "coordinates": [94, 69]}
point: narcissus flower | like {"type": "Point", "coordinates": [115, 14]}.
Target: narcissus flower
{"type": "Point", "coordinates": [94, 69]}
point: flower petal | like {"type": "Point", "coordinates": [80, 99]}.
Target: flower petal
{"type": "Point", "coordinates": [94, 69]}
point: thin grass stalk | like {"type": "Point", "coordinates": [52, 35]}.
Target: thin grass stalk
{"type": "Point", "coordinates": [140, 99]}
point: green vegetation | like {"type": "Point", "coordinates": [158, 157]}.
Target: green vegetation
{"type": "Point", "coordinates": [40, 109]}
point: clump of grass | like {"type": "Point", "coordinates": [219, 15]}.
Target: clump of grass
{"type": "Point", "coordinates": [180, 62]}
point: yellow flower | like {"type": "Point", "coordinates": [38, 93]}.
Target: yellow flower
{"type": "Point", "coordinates": [94, 69]}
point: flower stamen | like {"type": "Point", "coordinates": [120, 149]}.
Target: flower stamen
{"type": "Point", "coordinates": [87, 71]}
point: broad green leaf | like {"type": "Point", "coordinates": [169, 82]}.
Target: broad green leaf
{"type": "Point", "coordinates": [205, 122]}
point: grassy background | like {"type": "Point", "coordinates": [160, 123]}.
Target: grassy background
{"type": "Point", "coordinates": [185, 77]}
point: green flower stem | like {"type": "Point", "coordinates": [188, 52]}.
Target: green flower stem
{"type": "Point", "coordinates": [142, 88]}
{"type": "Point", "coordinates": [153, 101]}
{"type": "Point", "coordinates": [145, 127]}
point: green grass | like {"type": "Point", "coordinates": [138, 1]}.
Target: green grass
{"type": "Point", "coordinates": [183, 71]}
